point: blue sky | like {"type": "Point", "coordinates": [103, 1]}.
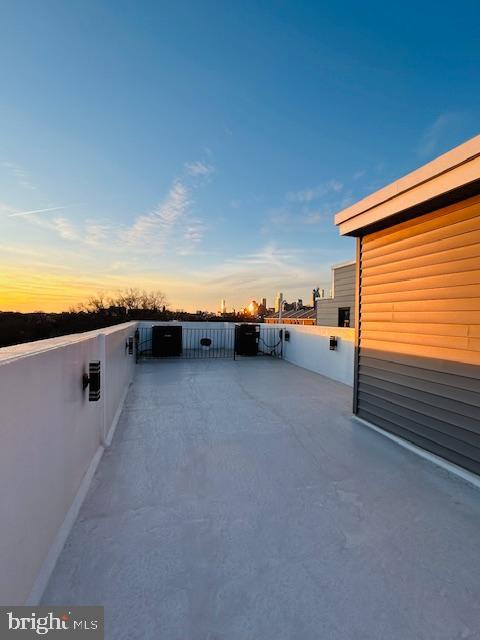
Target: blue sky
{"type": "Point", "coordinates": [202, 148]}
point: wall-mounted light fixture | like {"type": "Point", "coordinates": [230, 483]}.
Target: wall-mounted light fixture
{"type": "Point", "coordinates": [287, 336]}
{"type": "Point", "coordinates": [333, 343]}
{"type": "Point", "coordinates": [92, 381]}
{"type": "Point", "coordinates": [129, 345]}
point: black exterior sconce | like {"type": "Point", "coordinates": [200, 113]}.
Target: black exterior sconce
{"type": "Point", "coordinates": [92, 381]}
{"type": "Point", "coordinates": [136, 339]}
{"type": "Point", "coordinates": [333, 343]}
{"type": "Point", "coordinates": [129, 345]}
{"type": "Point", "coordinates": [287, 336]}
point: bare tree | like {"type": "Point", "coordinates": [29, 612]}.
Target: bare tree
{"type": "Point", "coordinates": [153, 300]}
{"type": "Point", "coordinates": [77, 308]}
{"type": "Point", "coordinates": [133, 298]}
{"type": "Point", "coordinates": [97, 303]}
{"type": "Point", "coordinates": [129, 298]}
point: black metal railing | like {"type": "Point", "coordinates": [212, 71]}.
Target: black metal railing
{"type": "Point", "coordinates": [207, 342]}
{"type": "Point", "coordinates": [270, 342]}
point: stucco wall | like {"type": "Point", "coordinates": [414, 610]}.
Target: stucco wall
{"type": "Point", "coordinates": [52, 437]}
{"type": "Point", "coordinates": [50, 434]}
{"type": "Point", "coordinates": [308, 347]}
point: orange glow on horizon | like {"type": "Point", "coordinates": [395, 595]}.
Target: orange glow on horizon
{"type": "Point", "coordinates": [30, 287]}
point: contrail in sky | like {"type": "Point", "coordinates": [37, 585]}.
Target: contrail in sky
{"type": "Point", "coordinates": [26, 213]}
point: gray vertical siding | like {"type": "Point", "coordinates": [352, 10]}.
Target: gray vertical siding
{"type": "Point", "coordinates": [344, 296]}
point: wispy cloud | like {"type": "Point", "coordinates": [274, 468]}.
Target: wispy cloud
{"type": "Point", "coordinates": [20, 250]}
{"type": "Point", "coordinates": [323, 214]}
{"type": "Point", "coordinates": [60, 225]}
{"type": "Point", "coordinates": [279, 217]}
{"type": "Point", "coordinates": [88, 232]}
{"type": "Point", "coordinates": [312, 193]}
{"type": "Point", "coordinates": [66, 229]}
{"type": "Point", "coordinates": [199, 168]}
{"type": "Point", "coordinates": [63, 227]}
{"type": "Point", "coordinates": [21, 176]}
{"type": "Point", "coordinates": [315, 217]}
{"type": "Point", "coordinates": [171, 227]}
{"type": "Point", "coordinates": [193, 234]}
{"type": "Point", "coordinates": [270, 268]}
{"type": "Point", "coordinates": [434, 133]}
{"type": "Point", "coordinates": [314, 206]}
{"type": "Point", "coordinates": [96, 233]}
{"type": "Point", "coordinates": [168, 226]}
{"type": "Point", "coordinates": [155, 226]}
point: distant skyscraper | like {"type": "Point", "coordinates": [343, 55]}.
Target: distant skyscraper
{"type": "Point", "coordinates": [223, 307]}
{"type": "Point", "coordinates": [278, 301]}
{"type": "Point", "coordinates": [264, 303]}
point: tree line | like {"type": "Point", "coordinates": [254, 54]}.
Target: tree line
{"type": "Point", "coordinates": [130, 299]}
{"type": "Point", "coordinates": [100, 310]}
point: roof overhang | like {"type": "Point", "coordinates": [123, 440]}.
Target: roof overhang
{"type": "Point", "coordinates": [448, 176]}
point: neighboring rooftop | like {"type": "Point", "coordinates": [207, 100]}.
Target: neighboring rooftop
{"type": "Point", "coordinates": [300, 314]}
{"type": "Point", "coordinates": [240, 500]}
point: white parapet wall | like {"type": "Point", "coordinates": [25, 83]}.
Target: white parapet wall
{"type": "Point", "coordinates": [309, 347]}
{"type": "Point", "coordinates": [52, 438]}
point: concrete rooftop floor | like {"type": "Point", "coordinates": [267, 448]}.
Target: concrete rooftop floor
{"type": "Point", "coordinates": [240, 501]}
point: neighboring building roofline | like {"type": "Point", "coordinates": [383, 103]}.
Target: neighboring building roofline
{"type": "Point", "coordinates": [452, 170]}
{"type": "Point", "coordinates": [339, 265]}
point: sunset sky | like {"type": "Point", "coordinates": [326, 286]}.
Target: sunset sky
{"type": "Point", "coordinates": [202, 148]}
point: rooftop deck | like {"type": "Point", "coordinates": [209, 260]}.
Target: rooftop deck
{"type": "Point", "coordinates": [240, 501]}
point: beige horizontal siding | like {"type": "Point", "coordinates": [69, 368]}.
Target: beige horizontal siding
{"type": "Point", "coordinates": [419, 339]}
{"type": "Point", "coordinates": [433, 293]}
{"type": "Point", "coordinates": [424, 306]}
{"type": "Point", "coordinates": [427, 327]}
{"type": "Point", "coordinates": [443, 223]}
{"type": "Point", "coordinates": [428, 319]}
{"type": "Point", "coordinates": [446, 250]}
